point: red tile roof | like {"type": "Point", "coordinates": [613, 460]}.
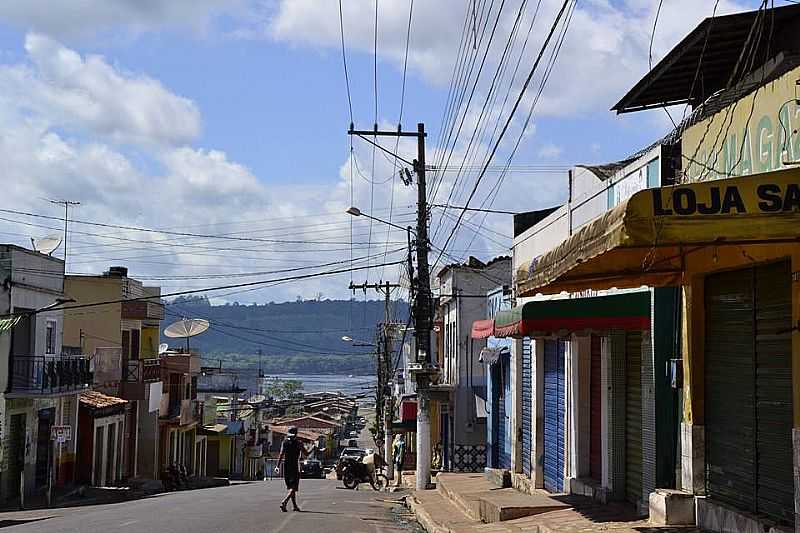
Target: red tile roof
{"type": "Point", "coordinates": [98, 400]}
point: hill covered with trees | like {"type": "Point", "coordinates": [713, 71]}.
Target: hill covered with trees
{"type": "Point", "coordinates": [303, 337]}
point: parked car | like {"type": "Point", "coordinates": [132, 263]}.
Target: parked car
{"type": "Point", "coordinates": [348, 453]}
{"type": "Point", "coordinates": [354, 434]}
{"type": "Point", "coordinates": [312, 468]}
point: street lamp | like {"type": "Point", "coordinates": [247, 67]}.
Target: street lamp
{"type": "Point", "coordinates": [347, 338]}
{"type": "Point", "coordinates": [356, 212]}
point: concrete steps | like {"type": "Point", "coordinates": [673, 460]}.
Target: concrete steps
{"type": "Point", "coordinates": [469, 503]}
{"type": "Point", "coordinates": [480, 499]}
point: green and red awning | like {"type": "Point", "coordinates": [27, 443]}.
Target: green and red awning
{"type": "Point", "coordinates": [628, 311]}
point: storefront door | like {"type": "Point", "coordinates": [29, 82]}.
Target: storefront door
{"type": "Point", "coordinates": [633, 417]}
{"type": "Point", "coordinates": [504, 442]}
{"type": "Point", "coordinates": [596, 412]}
{"type": "Point", "coordinates": [527, 389]}
{"type": "Point", "coordinates": [748, 385]}
{"type": "Point", "coordinates": [554, 412]}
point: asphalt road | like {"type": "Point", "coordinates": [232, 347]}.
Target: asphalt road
{"type": "Point", "coordinates": [243, 507]}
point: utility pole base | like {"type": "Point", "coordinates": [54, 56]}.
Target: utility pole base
{"type": "Point", "coordinates": [423, 442]}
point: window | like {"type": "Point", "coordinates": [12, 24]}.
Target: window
{"type": "Point", "coordinates": [51, 337]}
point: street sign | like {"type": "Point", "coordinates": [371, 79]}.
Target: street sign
{"type": "Point", "coordinates": [61, 434]}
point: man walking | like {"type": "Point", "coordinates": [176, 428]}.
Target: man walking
{"type": "Point", "coordinates": [291, 453]}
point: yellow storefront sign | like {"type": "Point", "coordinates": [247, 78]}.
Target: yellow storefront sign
{"type": "Point", "coordinates": [642, 241]}
{"type": "Point", "coordinates": [751, 135]}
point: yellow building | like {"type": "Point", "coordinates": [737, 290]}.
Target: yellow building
{"type": "Point", "coordinates": [733, 246]}
{"type": "Point", "coordinates": [122, 338]}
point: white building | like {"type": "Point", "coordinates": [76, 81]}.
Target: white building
{"type": "Point", "coordinates": [39, 386]}
{"type": "Point", "coordinates": [462, 300]}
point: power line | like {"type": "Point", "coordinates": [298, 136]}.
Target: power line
{"type": "Point", "coordinates": [169, 232]}
{"type": "Point", "coordinates": [210, 289]}
{"type": "Point", "coordinates": [344, 62]}
{"type": "Point", "coordinates": [508, 121]}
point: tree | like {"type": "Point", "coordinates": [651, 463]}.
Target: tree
{"type": "Point", "coordinates": [283, 389]}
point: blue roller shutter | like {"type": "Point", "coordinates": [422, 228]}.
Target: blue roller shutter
{"type": "Point", "coordinates": [504, 421]}
{"type": "Point", "coordinates": [554, 416]}
{"type": "Point", "coordinates": [527, 386]}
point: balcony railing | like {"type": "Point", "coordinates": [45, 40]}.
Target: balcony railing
{"type": "Point", "coordinates": [49, 375]}
{"type": "Point", "coordinates": [143, 370]}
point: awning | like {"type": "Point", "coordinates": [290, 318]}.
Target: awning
{"type": "Point", "coordinates": [482, 329]}
{"type": "Point", "coordinates": [480, 407]}
{"type": "Point", "coordinates": [213, 429]}
{"type": "Point", "coordinates": [6, 324]}
{"type": "Point", "coordinates": [490, 356]}
{"type": "Point", "coordinates": [627, 311]}
{"type": "Point", "coordinates": [643, 241]}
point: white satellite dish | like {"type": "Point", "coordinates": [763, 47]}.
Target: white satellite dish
{"type": "Point", "coordinates": [46, 245]}
{"type": "Point", "coordinates": [162, 348]}
{"type": "Point", "coordinates": [186, 328]}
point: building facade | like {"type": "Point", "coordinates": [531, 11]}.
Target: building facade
{"type": "Point", "coordinates": [462, 419]}
{"type": "Point", "coordinates": [123, 338]}
{"type": "Point", "coordinates": [39, 384]}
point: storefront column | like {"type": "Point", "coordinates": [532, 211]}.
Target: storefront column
{"type": "Point", "coordinates": [692, 428]}
{"type": "Point", "coordinates": [578, 408]}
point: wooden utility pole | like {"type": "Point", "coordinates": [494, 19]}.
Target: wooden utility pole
{"type": "Point", "coordinates": [422, 309]}
{"type": "Point", "coordinates": [383, 368]}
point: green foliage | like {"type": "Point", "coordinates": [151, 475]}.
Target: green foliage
{"type": "Point", "coordinates": [283, 389]}
{"type": "Point", "coordinates": [302, 337]}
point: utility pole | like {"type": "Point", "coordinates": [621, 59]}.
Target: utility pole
{"type": "Point", "coordinates": [56, 447]}
{"type": "Point", "coordinates": [383, 401]}
{"type": "Point", "coordinates": [66, 204]}
{"type": "Point", "coordinates": [422, 309]}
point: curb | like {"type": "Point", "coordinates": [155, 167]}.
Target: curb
{"type": "Point", "coordinates": [422, 516]}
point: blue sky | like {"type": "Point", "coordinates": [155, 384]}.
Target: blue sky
{"type": "Point", "coordinates": [231, 117]}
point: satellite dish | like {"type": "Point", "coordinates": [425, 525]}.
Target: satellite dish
{"type": "Point", "coordinates": [256, 399]}
{"type": "Point", "coordinates": [47, 245]}
{"type": "Point", "coordinates": [186, 328]}
{"type": "Point", "coordinates": [163, 347]}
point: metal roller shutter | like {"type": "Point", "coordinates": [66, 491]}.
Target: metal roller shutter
{"type": "Point", "coordinates": [748, 390]}
{"type": "Point", "coordinates": [554, 416]}
{"type": "Point", "coordinates": [633, 417]}
{"type": "Point", "coordinates": [504, 435]}
{"type": "Point", "coordinates": [773, 303]}
{"type": "Point", "coordinates": [596, 398]}
{"type": "Point", "coordinates": [496, 414]}
{"type": "Point", "coordinates": [729, 397]}
{"type": "Point", "coordinates": [527, 384]}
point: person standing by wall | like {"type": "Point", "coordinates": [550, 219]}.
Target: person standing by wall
{"type": "Point", "coordinates": [399, 452]}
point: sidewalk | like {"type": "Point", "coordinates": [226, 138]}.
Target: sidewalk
{"type": "Point", "coordinates": [466, 503]}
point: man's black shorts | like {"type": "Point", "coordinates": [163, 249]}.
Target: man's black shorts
{"type": "Point", "coordinates": [292, 480]}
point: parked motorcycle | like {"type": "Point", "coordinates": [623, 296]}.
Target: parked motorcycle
{"type": "Point", "coordinates": [175, 477]}
{"type": "Point", "coordinates": [355, 472]}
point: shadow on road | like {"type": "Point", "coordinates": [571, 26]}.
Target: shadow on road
{"type": "Point", "coordinates": [9, 523]}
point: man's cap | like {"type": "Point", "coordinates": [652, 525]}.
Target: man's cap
{"type": "Point", "coordinates": [292, 431]}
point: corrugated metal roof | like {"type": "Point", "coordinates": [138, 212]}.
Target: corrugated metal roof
{"type": "Point", "coordinates": [714, 47]}
{"type": "Point", "coordinates": [607, 170]}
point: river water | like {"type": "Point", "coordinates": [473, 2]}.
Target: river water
{"type": "Point", "coordinates": [351, 385]}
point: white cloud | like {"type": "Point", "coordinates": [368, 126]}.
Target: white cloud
{"type": "Point", "coordinates": [550, 151]}
{"type": "Point", "coordinates": [90, 95]}
{"type": "Point", "coordinates": [605, 51]}
{"type": "Point", "coordinates": [71, 18]}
